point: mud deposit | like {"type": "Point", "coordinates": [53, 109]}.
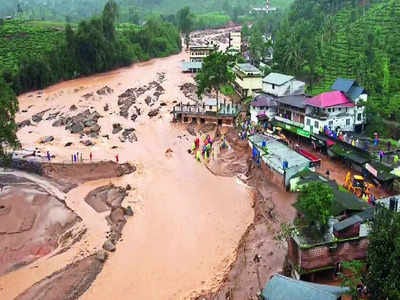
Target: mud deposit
{"type": "Point", "coordinates": [68, 283]}
{"type": "Point", "coordinates": [32, 222]}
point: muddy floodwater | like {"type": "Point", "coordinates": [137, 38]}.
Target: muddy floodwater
{"type": "Point", "coordinates": [187, 222]}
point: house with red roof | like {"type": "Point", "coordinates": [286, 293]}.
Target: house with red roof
{"type": "Point", "coordinates": [336, 110]}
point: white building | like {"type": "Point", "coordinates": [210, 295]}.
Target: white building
{"type": "Point", "coordinates": [280, 85]}
{"type": "Point", "coordinates": [235, 41]}
{"type": "Point", "coordinates": [335, 110]}
{"type": "Point", "coordinates": [198, 53]}
{"type": "Point", "coordinates": [263, 107]}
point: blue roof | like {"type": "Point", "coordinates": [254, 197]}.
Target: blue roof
{"type": "Point", "coordinates": [285, 288]}
{"type": "Point", "coordinates": [349, 87]}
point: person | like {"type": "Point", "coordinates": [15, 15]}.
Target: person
{"type": "Point", "coordinates": [197, 142]}
{"type": "Point", "coordinates": [389, 145]}
{"type": "Point", "coordinates": [381, 154]}
{"type": "Point", "coordinates": [48, 155]}
{"type": "Point", "coordinates": [396, 158]}
{"type": "Point", "coordinates": [327, 173]}
{"type": "Point", "coordinates": [81, 158]}
{"type": "Point", "coordinates": [74, 158]}
{"type": "Point", "coordinates": [90, 156]}
{"type": "Point", "coordinates": [117, 158]}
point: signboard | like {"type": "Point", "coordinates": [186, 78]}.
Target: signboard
{"type": "Point", "coordinates": [303, 132]}
{"type": "Point", "coordinates": [371, 169]}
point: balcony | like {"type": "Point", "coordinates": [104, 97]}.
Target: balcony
{"type": "Point", "coordinates": [323, 116]}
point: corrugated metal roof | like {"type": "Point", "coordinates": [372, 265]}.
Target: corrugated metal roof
{"type": "Point", "coordinates": [187, 65]}
{"type": "Point", "coordinates": [263, 100]}
{"type": "Point", "coordinates": [277, 78]}
{"type": "Point", "coordinates": [347, 223]}
{"type": "Point", "coordinates": [330, 99]}
{"type": "Point", "coordinates": [248, 68]}
{"type": "Point", "coordinates": [285, 288]}
{"type": "Point", "coordinates": [343, 85]}
{"type": "Point", "coordinates": [296, 101]}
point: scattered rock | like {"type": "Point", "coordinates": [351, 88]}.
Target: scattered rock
{"type": "Point", "coordinates": [88, 95]}
{"type": "Point", "coordinates": [105, 90]}
{"type": "Point", "coordinates": [87, 143]}
{"type": "Point", "coordinates": [128, 135]}
{"type": "Point", "coordinates": [153, 112]}
{"type": "Point", "coordinates": [148, 100]}
{"type": "Point", "coordinates": [39, 116]}
{"type": "Point", "coordinates": [128, 211]}
{"type": "Point", "coordinates": [24, 123]}
{"type": "Point", "coordinates": [102, 255]}
{"type": "Point", "coordinates": [128, 187]}
{"type": "Point", "coordinates": [134, 117]}
{"type": "Point", "coordinates": [46, 139]}
{"type": "Point", "coordinates": [109, 246]}
{"type": "Point", "coordinates": [73, 107]}
{"type": "Point", "coordinates": [106, 107]}
{"type": "Point", "coordinates": [76, 128]}
{"type": "Point", "coordinates": [69, 144]}
{"type": "Point", "coordinates": [114, 147]}
{"type": "Point", "coordinates": [163, 104]}
{"type": "Point", "coordinates": [116, 128]}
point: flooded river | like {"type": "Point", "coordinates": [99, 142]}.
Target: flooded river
{"type": "Point", "coordinates": [187, 222]}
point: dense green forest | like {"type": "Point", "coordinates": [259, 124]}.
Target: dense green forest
{"type": "Point", "coordinates": [34, 56]}
{"type": "Point", "coordinates": [130, 10]}
{"type": "Point", "coordinates": [321, 40]}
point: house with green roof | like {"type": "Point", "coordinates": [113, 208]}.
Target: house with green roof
{"type": "Point", "coordinates": [280, 287]}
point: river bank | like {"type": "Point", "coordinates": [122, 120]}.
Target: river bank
{"type": "Point", "coordinates": [187, 222]}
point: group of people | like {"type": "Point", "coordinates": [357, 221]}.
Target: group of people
{"type": "Point", "coordinates": [202, 146]}
{"type": "Point", "coordinates": [78, 157]}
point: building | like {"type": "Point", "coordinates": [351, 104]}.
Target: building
{"type": "Point", "coordinates": [248, 80]}
{"type": "Point", "coordinates": [191, 67]}
{"type": "Point", "coordinates": [334, 110]}
{"type": "Point", "coordinates": [198, 53]}
{"type": "Point", "coordinates": [357, 95]}
{"type": "Point", "coordinates": [280, 287]}
{"type": "Point", "coordinates": [279, 162]}
{"type": "Point", "coordinates": [346, 239]}
{"type": "Point", "coordinates": [206, 112]}
{"type": "Point", "coordinates": [235, 41]}
{"type": "Point", "coordinates": [279, 85]}
{"type": "Point", "coordinates": [263, 107]}
{"type": "Point", "coordinates": [291, 110]}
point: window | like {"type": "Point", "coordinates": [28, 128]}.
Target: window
{"type": "Point", "coordinates": [333, 109]}
{"type": "Point", "coordinates": [348, 122]}
{"type": "Point", "coordinates": [210, 107]}
{"type": "Point", "coordinates": [273, 86]}
{"type": "Point", "coordinates": [359, 117]}
{"type": "Point", "coordinates": [339, 108]}
{"type": "Point", "coordinates": [329, 110]}
{"type": "Point", "coordinates": [316, 124]}
{"type": "Point", "coordinates": [308, 122]}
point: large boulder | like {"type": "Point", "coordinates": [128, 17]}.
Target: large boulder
{"type": "Point", "coordinates": [76, 127]}
{"type": "Point", "coordinates": [153, 112]}
{"type": "Point", "coordinates": [46, 139]}
{"type": "Point", "coordinates": [109, 246]}
{"type": "Point", "coordinates": [102, 255]}
{"type": "Point", "coordinates": [116, 128]}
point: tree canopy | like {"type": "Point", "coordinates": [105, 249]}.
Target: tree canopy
{"type": "Point", "coordinates": [8, 108]}
{"type": "Point", "coordinates": [214, 73]}
{"type": "Point", "coordinates": [315, 202]}
{"type": "Point", "coordinates": [383, 258]}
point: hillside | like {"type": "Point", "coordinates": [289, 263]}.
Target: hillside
{"type": "Point", "coordinates": [19, 39]}
{"type": "Point", "coordinates": [77, 10]}
{"type": "Point", "coordinates": [359, 41]}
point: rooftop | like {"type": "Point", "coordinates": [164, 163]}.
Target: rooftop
{"type": "Point", "coordinates": [187, 66]}
{"type": "Point", "coordinates": [248, 68]}
{"type": "Point", "coordinates": [284, 288]}
{"type": "Point", "coordinates": [349, 87]}
{"type": "Point", "coordinates": [296, 101]}
{"type": "Point", "coordinates": [330, 99]}
{"type": "Point", "coordinates": [263, 100]}
{"type": "Point", "coordinates": [277, 78]}
{"type": "Point", "coordinates": [277, 153]}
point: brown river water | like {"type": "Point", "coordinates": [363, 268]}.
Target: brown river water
{"type": "Point", "coordinates": [187, 222]}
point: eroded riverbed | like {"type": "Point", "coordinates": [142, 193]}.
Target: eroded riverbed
{"type": "Point", "coordinates": [187, 222]}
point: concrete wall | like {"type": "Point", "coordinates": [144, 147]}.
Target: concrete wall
{"type": "Point", "coordinates": [30, 166]}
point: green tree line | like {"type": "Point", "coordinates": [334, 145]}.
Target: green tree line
{"type": "Point", "coordinates": [94, 46]}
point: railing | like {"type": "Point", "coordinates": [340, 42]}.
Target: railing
{"type": "Point", "coordinates": [223, 110]}
{"type": "Point", "coordinates": [319, 116]}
